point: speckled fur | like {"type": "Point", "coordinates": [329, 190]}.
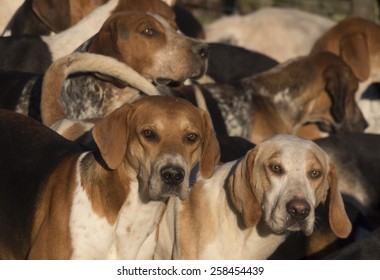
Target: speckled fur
{"type": "Point", "coordinates": [97, 99]}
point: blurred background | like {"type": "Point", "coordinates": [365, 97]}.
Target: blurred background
{"type": "Point", "coordinates": [208, 10]}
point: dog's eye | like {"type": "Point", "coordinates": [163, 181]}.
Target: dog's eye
{"type": "Point", "coordinates": [276, 168]}
{"type": "Point", "coordinates": [149, 31]}
{"type": "Point", "coordinates": [191, 137]}
{"type": "Point", "coordinates": [148, 134]}
{"type": "Point", "coordinates": [314, 174]}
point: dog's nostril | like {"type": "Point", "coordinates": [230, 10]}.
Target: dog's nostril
{"type": "Point", "coordinates": [172, 175]}
{"type": "Point", "coordinates": [202, 50]}
{"type": "Point", "coordinates": [298, 209]}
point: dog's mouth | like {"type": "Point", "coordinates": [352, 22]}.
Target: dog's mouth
{"type": "Point", "coordinates": [161, 81]}
{"type": "Point", "coordinates": [164, 81]}
{"type": "Point", "coordinates": [294, 226]}
{"type": "Point", "coordinates": [299, 226]}
{"type": "Point", "coordinates": [167, 191]}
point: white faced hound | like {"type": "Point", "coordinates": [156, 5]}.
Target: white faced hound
{"type": "Point", "coordinates": [246, 209]}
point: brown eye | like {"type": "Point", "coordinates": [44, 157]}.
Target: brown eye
{"type": "Point", "coordinates": [276, 168]}
{"type": "Point", "coordinates": [315, 174]}
{"type": "Point", "coordinates": [191, 137]}
{"type": "Point", "coordinates": [148, 134]}
{"type": "Point", "coordinates": [149, 31]}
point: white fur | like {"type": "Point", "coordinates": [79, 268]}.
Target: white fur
{"type": "Point", "coordinates": [276, 32]}
{"type": "Point", "coordinates": [93, 237]}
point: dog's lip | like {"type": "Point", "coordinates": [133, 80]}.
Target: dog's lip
{"type": "Point", "coordinates": [161, 81]}
{"type": "Point", "coordinates": [199, 74]}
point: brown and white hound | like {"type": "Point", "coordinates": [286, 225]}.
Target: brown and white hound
{"type": "Point", "coordinates": [357, 41]}
{"type": "Point", "coordinates": [306, 96]}
{"type": "Point", "coordinates": [60, 202]}
{"type": "Point", "coordinates": [147, 42]}
{"type": "Point", "coordinates": [246, 209]}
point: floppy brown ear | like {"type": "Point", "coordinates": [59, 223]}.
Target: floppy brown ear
{"type": "Point", "coordinates": [55, 14]}
{"type": "Point", "coordinates": [211, 151]}
{"type": "Point", "coordinates": [111, 134]}
{"type": "Point", "coordinates": [354, 51]}
{"type": "Point", "coordinates": [336, 89]}
{"type": "Point", "coordinates": [242, 190]}
{"type": "Point", "coordinates": [339, 222]}
{"type": "Point", "coordinates": [105, 41]}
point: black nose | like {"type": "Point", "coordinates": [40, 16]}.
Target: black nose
{"type": "Point", "coordinates": [202, 50]}
{"type": "Point", "coordinates": [172, 175]}
{"type": "Point", "coordinates": [298, 209]}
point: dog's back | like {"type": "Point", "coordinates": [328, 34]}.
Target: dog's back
{"type": "Point", "coordinates": [29, 153]}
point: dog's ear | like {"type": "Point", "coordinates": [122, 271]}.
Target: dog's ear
{"type": "Point", "coordinates": [105, 41]}
{"type": "Point", "coordinates": [339, 221]}
{"type": "Point", "coordinates": [337, 90]}
{"type": "Point", "coordinates": [111, 134]}
{"type": "Point", "coordinates": [211, 151]}
{"type": "Point", "coordinates": [242, 190]}
{"type": "Point", "coordinates": [354, 51]}
{"type": "Point", "coordinates": [55, 14]}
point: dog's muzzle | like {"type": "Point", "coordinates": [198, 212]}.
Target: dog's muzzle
{"type": "Point", "coordinates": [298, 211]}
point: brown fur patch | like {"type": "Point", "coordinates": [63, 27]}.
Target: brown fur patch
{"type": "Point", "coordinates": [51, 232]}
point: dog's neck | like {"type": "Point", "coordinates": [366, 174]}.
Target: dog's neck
{"type": "Point", "coordinates": [116, 195]}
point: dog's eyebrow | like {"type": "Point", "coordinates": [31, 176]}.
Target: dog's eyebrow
{"type": "Point", "coordinates": [275, 154]}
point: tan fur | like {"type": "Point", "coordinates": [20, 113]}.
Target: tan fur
{"type": "Point", "coordinates": [357, 41]}
{"type": "Point", "coordinates": [307, 90]}
{"type": "Point", "coordinates": [242, 211]}
{"type": "Point", "coordinates": [50, 234]}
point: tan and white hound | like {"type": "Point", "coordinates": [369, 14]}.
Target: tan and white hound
{"type": "Point", "coordinates": [246, 208]}
{"type": "Point", "coordinates": [60, 202]}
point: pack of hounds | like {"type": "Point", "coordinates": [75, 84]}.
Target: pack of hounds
{"type": "Point", "coordinates": [130, 130]}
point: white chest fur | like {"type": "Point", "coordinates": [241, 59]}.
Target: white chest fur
{"type": "Point", "coordinates": [93, 237]}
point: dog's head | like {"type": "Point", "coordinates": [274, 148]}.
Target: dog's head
{"type": "Point", "coordinates": [159, 139]}
{"type": "Point", "coordinates": [316, 89]}
{"type": "Point", "coordinates": [152, 45]}
{"type": "Point", "coordinates": [282, 181]}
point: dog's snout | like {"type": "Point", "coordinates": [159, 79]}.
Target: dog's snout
{"type": "Point", "coordinates": [201, 50]}
{"type": "Point", "coordinates": [172, 175]}
{"type": "Point", "coordinates": [298, 209]}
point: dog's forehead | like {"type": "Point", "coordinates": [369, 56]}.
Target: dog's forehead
{"type": "Point", "coordinates": [292, 148]}
{"type": "Point", "coordinates": [168, 111]}
{"type": "Point", "coordinates": [132, 19]}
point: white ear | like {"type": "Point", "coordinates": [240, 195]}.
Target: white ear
{"type": "Point", "coordinates": [171, 3]}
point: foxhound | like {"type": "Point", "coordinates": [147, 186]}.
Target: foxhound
{"type": "Point", "coordinates": [58, 201]}
{"type": "Point", "coordinates": [246, 209]}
